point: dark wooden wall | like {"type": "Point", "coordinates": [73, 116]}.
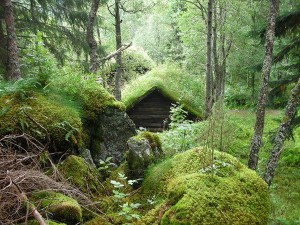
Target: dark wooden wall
{"type": "Point", "coordinates": [151, 112]}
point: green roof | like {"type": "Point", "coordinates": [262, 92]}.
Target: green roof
{"type": "Point", "coordinates": [173, 82]}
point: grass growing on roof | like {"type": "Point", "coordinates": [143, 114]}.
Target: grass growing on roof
{"type": "Point", "coordinates": [173, 82]}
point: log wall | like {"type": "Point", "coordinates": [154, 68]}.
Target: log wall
{"type": "Point", "coordinates": [151, 112]}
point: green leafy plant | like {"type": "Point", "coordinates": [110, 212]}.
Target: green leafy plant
{"type": "Point", "coordinates": [127, 210]}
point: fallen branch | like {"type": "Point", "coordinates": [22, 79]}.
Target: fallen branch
{"type": "Point", "coordinates": [30, 207]}
{"type": "Point", "coordinates": [111, 55]}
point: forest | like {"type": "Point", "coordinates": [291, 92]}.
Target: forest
{"type": "Point", "coordinates": [163, 112]}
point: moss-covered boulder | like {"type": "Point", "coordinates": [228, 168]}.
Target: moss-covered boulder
{"type": "Point", "coordinates": [43, 118]}
{"type": "Point", "coordinates": [108, 134]}
{"type": "Point", "coordinates": [201, 191]}
{"type": "Point", "coordinates": [48, 222]}
{"type": "Point", "coordinates": [58, 207]}
{"type": "Point", "coordinates": [143, 150]}
{"type": "Point", "coordinates": [81, 174]}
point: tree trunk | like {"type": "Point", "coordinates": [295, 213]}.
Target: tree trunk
{"type": "Point", "coordinates": [209, 80]}
{"type": "Point", "coordinates": [94, 62]}
{"type": "Point", "coordinates": [282, 133]}
{"type": "Point", "coordinates": [119, 72]}
{"type": "Point", "coordinates": [13, 70]}
{"type": "Point", "coordinates": [261, 105]}
{"type": "Point", "coordinates": [217, 77]}
{"type": "Point", "coordinates": [3, 48]}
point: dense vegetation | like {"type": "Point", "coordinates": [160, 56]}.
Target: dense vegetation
{"type": "Point", "coordinates": [69, 153]}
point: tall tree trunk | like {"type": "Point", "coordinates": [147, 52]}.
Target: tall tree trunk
{"type": "Point", "coordinates": [215, 55]}
{"type": "Point", "coordinates": [282, 133]}
{"type": "Point", "coordinates": [209, 79]}
{"type": "Point", "coordinates": [223, 66]}
{"type": "Point", "coordinates": [94, 62]}
{"type": "Point", "coordinates": [266, 70]}
{"type": "Point", "coordinates": [119, 72]}
{"type": "Point", "coordinates": [13, 70]}
{"type": "Point", "coordinates": [3, 47]}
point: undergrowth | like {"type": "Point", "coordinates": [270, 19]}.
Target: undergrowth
{"type": "Point", "coordinates": [237, 132]}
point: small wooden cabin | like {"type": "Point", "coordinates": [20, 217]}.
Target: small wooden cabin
{"type": "Point", "coordinates": [152, 111]}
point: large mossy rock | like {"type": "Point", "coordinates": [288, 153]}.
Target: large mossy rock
{"type": "Point", "coordinates": [109, 134]}
{"type": "Point", "coordinates": [143, 150]}
{"type": "Point", "coordinates": [38, 115]}
{"type": "Point", "coordinates": [59, 207]}
{"type": "Point", "coordinates": [81, 174]}
{"type": "Point", "coordinates": [195, 193]}
{"type": "Point", "coordinates": [93, 120]}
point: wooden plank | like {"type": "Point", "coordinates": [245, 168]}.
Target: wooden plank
{"type": "Point", "coordinates": [142, 117]}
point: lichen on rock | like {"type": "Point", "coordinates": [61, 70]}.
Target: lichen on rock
{"type": "Point", "coordinates": [143, 150]}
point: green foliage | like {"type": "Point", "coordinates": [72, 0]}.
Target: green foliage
{"type": "Point", "coordinates": [179, 137]}
{"type": "Point", "coordinates": [38, 63]}
{"type": "Point", "coordinates": [173, 82]}
{"type": "Point", "coordinates": [82, 88]}
{"type": "Point", "coordinates": [127, 210]}
{"type": "Point", "coordinates": [238, 97]}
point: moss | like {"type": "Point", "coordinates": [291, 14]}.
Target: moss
{"type": "Point", "coordinates": [100, 220]}
{"type": "Point", "coordinates": [96, 101]}
{"type": "Point", "coordinates": [168, 79]}
{"type": "Point", "coordinates": [63, 123]}
{"type": "Point", "coordinates": [153, 139]}
{"type": "Point", "coordinates": [232, 195]}
{"type": "Point", "coordinates": [59, 207]}
{"type": "Point", "coordinates": [80, 174]}
{"type": "Point", "coordinates": [48, 222]}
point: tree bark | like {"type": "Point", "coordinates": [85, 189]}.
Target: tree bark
{"type": "Point", "coordinates": [3, 48]}
{"type": "Point", "coordinates": [119, 72]}
{"type": "Point", "coordinates": [209, 79]}
{"type": "Point", "coordinates": [282, 133]}
{"type": "Point", "coordinates": [266, 70]}
{"type": "Point", "coordinates": [13, 69]}
{"type": "Point", "coordinates": [94, 62]}
{"type": "Point", "coordinates": [215, 56]}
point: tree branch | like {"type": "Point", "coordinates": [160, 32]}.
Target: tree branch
{"type": "Point", "coordinates": [111, 55]}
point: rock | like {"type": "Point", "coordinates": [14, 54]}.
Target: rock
{"type": "Point", "coordinates": [143, 150]}
{"type": "Point", "coordinates": [48, 222]}
{"type": "Point", "coordinates": [109, 135]}
{"type": "Point", "coordinates": [41, 118]}
{"type": "Point", "coordinates": [82, 175]}
{"type": "Point", "coordinates": [195, 194]}
{"type": "Point", "coordinates": [58, 207]}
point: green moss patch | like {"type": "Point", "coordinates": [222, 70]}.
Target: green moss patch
{"type": "Point", "coordinates": [173, 83]}
{"type": "Point", "coordinates": [48, 222]}
{"type": "Point", "coordinates": [59, 207]}
{"type": "Point", "coordinates": [63, 123]}
{"type": "Point", "coordinates": [227, 193]}
{"type": "Point", "coordinates": [80, 174]}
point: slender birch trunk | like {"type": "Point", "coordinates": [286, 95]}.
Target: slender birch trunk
{"type": "Point", "coordinates": [209, 78]}
{"type": "Point", "coordinates": [256, 141]}
{"type": "Point", "coordinates": [119, 72]}
{"type": "Point", "coordinates": [282, 133]}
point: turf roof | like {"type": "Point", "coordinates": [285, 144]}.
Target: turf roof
{"type": "Point", "coordinates": [173, 83]}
